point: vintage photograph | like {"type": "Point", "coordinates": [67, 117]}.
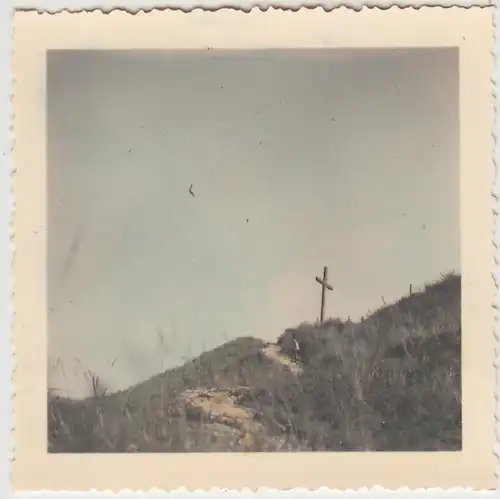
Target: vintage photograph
{"type": "Point", "coordinates": [239, 247]}
{"type": "Point", "coordinates": [253, 250]}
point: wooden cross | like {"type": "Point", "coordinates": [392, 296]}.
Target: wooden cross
{"type": "Point", "coordinates": [324, 285]}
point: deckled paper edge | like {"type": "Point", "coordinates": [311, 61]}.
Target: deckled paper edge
{"type": "Point", "coordinates": [6, 349]}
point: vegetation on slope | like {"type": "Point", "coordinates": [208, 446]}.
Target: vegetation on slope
{"type": "Point", "coordinates": [389, 382]}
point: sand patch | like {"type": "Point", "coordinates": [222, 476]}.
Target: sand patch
{"type": "Point", "coordinates": [219, 406]}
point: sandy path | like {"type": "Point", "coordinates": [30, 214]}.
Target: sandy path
{"type": "Point", "coordinates": [274, 352]}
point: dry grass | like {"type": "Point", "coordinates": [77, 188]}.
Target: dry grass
{"type": "Point", "coordinates": [389, 382]}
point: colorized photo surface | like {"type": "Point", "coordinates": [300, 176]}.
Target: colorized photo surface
{"type": "Point", "coordinates": [253, 250]}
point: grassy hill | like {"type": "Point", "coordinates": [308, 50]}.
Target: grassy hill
{"type": "Point", "coordinates": [389, 382]}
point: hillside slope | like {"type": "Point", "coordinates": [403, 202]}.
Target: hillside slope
{"type": "Point", "coordinates": [389, 382]}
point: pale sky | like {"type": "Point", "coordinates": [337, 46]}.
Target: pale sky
{"type": "Point", "coordinates": [337, 157]}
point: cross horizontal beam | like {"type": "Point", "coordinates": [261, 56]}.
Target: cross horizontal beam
{"type": "Point", "coordinates": [327, 286]}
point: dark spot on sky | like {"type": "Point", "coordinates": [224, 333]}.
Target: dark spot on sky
{"type": "Point", "coordinates": [248, 220]}
{"type": "Point", "coordinates": [129, 150]}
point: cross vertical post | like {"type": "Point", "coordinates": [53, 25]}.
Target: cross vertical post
{"type": "Point", "coordinates": [324, 286]}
